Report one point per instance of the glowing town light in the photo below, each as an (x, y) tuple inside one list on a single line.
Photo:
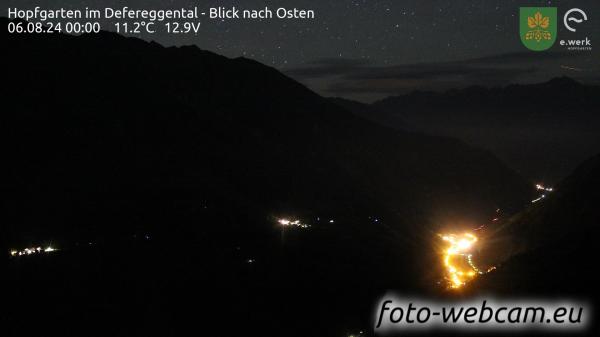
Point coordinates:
[(32, 251), (464, 244), (292, 223), (460, 246)]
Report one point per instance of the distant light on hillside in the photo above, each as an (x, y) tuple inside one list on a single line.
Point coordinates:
[(543, 188), (538, 199), (292, 223), (32, 251)]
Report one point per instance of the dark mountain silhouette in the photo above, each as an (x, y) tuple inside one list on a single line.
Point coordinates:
[(369, 112), (102, 116), (542, 130), (159, 172)]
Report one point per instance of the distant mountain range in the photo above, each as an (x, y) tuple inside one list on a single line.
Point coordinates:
[(542, 130), (553, 96)]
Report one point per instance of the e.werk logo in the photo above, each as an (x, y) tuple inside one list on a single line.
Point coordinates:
[(571, 16), (537, 27), (576, 42)]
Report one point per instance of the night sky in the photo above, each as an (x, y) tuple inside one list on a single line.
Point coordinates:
[(369, 49)]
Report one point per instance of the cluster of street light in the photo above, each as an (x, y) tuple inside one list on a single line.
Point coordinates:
[(292, 223), (544, 190), (460, 247), (477, 270), (32, 251)]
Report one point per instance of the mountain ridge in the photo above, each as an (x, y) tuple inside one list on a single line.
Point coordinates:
[(125, 116), (510, 95), (543, 131)]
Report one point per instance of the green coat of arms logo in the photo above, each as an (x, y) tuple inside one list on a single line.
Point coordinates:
[(538, 27)]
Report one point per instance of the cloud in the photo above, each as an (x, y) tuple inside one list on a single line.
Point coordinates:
[(439, 71), (352, 76), (326, 67)]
